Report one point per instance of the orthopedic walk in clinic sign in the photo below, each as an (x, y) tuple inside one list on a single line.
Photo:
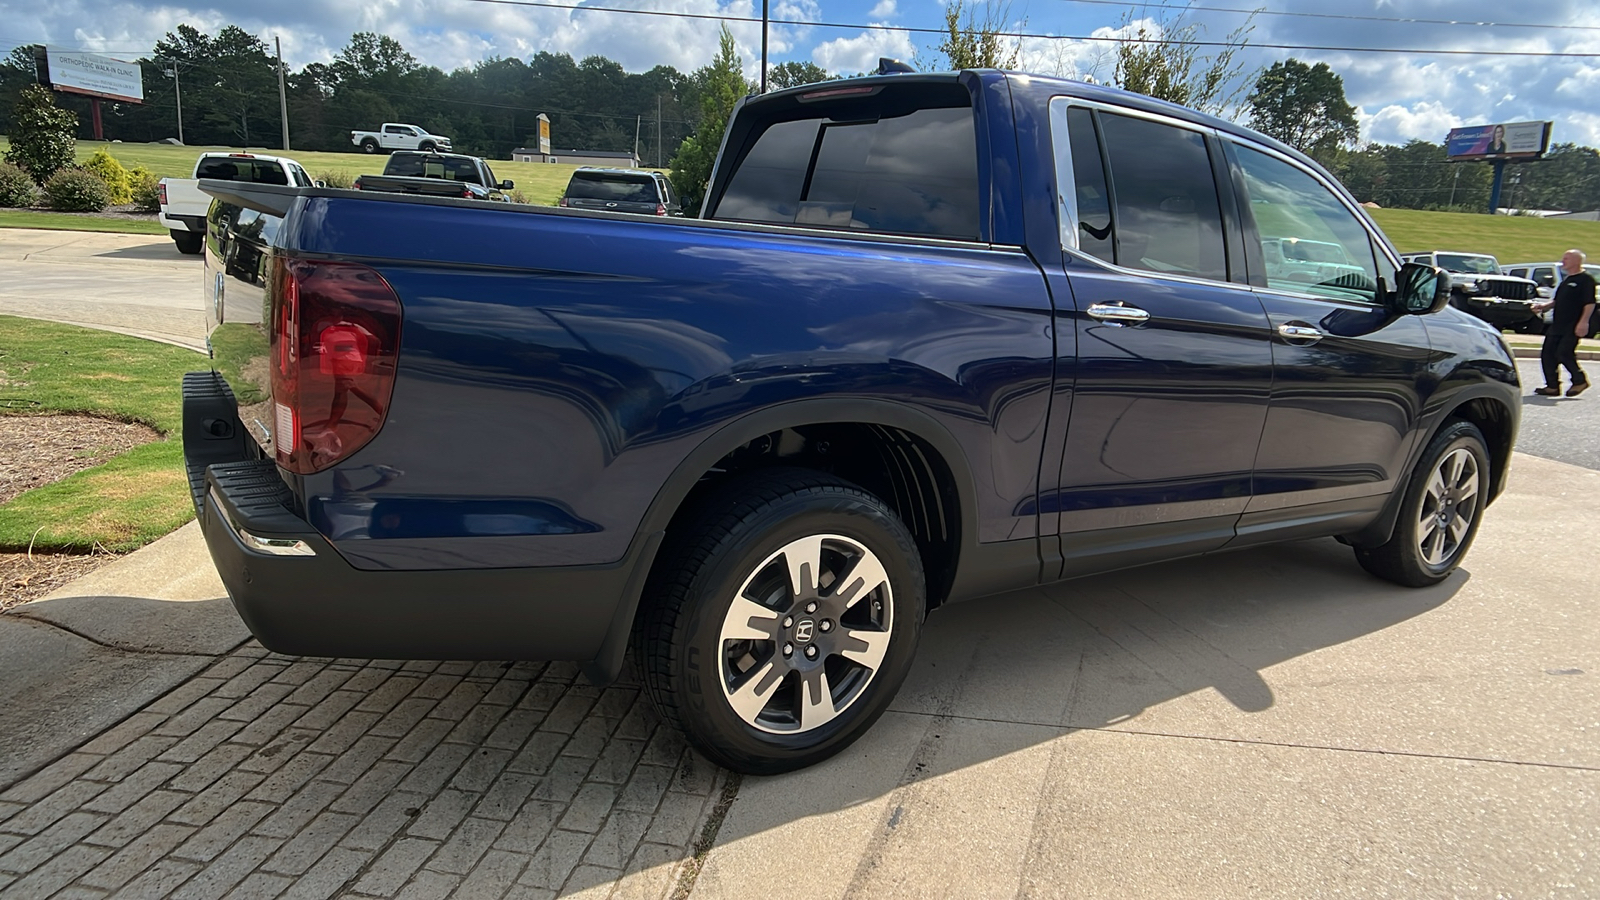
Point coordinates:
[(95, 75), (1517, 140)]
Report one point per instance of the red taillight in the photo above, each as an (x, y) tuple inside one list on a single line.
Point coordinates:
[(163, 189), (467, 193), (335, 336), (563, 201), (661, 209), (357, 185)]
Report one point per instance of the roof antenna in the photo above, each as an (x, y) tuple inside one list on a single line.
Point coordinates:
[(887, 66)]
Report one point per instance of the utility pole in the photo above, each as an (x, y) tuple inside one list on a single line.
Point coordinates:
[(638, 120), (658, 131), (764, 46), (283, 97), (177, 94)]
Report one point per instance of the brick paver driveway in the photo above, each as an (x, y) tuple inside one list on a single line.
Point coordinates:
[(270, 776)]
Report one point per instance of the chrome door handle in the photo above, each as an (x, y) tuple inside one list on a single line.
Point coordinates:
[(1118, 313), (1300, 333)]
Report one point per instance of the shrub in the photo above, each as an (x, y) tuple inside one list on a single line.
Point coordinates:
[(336, 179), (517, 196), (74, 190), (146, 189), (42, 136), (113, 174), (16, 188)]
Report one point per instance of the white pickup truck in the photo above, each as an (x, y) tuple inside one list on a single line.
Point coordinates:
[(400, 136), (184, 207)]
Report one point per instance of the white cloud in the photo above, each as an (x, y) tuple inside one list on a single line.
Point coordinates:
[(1428, 121), (860, 53), (886, 9)]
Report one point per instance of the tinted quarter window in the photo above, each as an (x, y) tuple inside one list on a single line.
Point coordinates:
[(1085, 200), (915, 173), (1167, 216), (1312, 243)]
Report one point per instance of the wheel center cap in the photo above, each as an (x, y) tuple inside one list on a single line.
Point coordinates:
[(803, 630)]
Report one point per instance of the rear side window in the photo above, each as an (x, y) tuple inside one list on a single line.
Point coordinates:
[(1167, 216), (612, 187), (908, 172)]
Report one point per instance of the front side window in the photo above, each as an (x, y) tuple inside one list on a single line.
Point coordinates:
[(913, 173), (1166, 214), (1311, 242)]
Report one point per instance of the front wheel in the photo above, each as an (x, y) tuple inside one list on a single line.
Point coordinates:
[(1439, 513), (426, 147), (781, 619)]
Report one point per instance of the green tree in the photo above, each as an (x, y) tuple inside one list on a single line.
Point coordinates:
[(721, 85), (1161, 59), (1303, 106), (42, 136), (971, 39), (793, 74)]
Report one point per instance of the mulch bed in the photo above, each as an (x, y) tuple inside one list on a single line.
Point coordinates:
[(35, 451)]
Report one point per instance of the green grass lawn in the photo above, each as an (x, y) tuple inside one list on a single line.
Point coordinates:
[(30, 218), (541, 183), (1510, 239), (130, 500)]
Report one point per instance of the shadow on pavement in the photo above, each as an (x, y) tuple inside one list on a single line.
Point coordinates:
[(165, 251)]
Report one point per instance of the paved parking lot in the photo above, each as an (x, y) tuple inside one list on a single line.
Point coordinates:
[(268, 776)]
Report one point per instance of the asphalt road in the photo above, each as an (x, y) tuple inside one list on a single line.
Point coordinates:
[(1559, 428)]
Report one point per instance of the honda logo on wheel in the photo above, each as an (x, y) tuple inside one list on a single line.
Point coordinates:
[(802, 630)]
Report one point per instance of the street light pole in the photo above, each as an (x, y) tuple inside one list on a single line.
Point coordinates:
[(177, 94), (283, 97), (764, 46)]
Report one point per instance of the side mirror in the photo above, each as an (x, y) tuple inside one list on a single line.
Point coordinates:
[(1422, 289), (319, 184), (507, 185)]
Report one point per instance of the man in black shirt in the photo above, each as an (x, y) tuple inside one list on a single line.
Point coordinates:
[(1573, 304)]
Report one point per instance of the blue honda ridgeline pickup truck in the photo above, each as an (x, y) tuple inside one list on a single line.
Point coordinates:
[(934, 337)]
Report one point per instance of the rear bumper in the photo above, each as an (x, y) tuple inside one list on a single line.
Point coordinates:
[(181, 222), (299, 596)]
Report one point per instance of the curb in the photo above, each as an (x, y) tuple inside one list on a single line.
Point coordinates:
[(1533, 353)]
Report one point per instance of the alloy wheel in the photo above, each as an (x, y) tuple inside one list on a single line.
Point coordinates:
[(1449, 507)]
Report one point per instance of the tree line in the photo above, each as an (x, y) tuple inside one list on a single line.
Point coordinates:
[(229, 91)]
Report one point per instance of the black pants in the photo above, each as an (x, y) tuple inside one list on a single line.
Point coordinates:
[(1561, 349)]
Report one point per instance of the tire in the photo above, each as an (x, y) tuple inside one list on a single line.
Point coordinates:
[(369, 146), (426, 147), (721, 608), (1439, 513), (189, 242)]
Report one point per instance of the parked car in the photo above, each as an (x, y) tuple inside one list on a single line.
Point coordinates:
[(437, 175), (1477, 286), (621, 190), (399, 136), (1545, 276), (183, 206), (923, 346)]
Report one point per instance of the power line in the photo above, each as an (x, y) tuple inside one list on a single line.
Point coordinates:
[(1312, 15), (908, 29)]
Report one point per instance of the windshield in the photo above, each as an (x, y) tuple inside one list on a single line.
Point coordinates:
[(232, 168), (616, 188), (1468, 264), (451, 168)]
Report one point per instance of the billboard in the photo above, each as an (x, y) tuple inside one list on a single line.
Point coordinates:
[(94, 75), (544, 134), (1516, 140)]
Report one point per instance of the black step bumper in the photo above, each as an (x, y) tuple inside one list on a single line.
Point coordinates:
[(298, 595)]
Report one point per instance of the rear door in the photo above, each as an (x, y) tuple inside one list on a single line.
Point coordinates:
[(1173, 363)]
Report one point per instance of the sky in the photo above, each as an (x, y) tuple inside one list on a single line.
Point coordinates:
[(1405, 93)]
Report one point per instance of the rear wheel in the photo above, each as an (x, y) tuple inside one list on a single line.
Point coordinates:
[(188, 242), (369, 146), (781, 619), (1439, 513)]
